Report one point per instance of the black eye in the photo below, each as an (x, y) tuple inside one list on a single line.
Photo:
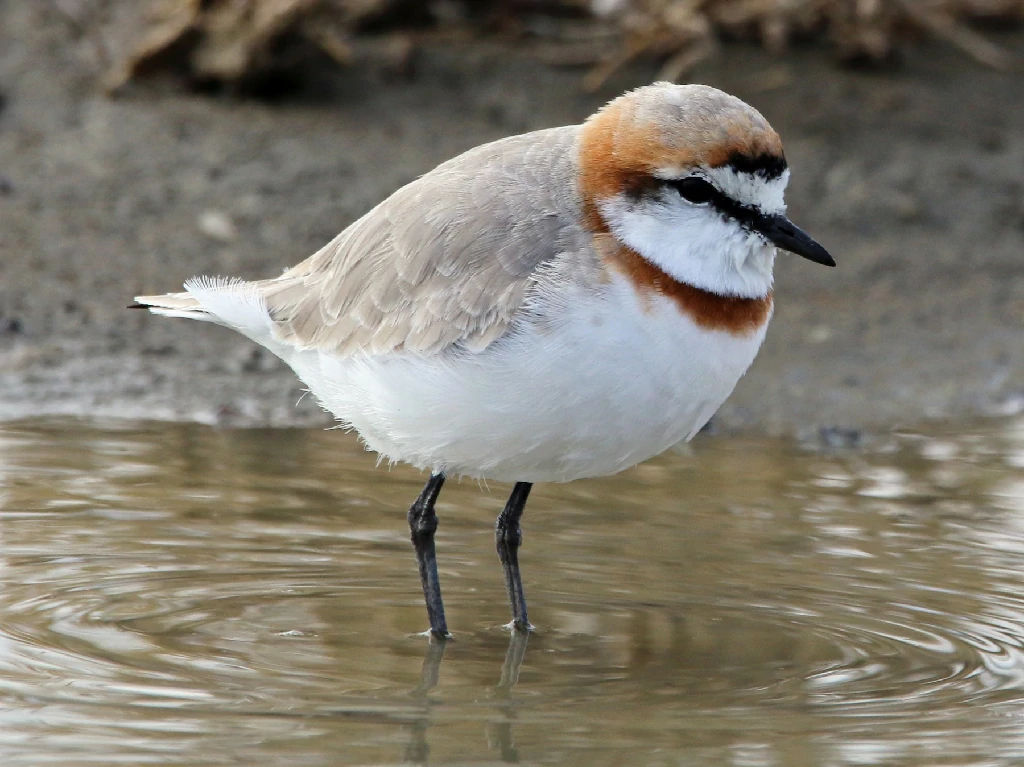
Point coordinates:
[(695, 190)]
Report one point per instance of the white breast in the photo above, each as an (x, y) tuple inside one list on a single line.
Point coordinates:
[(610, 382)]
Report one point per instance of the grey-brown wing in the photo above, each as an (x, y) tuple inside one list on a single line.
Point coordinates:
[(447, 259)]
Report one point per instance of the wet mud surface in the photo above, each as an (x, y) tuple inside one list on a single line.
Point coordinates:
[(911, 177)]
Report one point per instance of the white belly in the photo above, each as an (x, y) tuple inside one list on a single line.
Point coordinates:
[(609, 384)]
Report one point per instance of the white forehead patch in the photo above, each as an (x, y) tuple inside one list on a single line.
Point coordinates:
[(752, 190)]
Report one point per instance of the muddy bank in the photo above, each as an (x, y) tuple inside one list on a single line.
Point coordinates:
[(912, 178)]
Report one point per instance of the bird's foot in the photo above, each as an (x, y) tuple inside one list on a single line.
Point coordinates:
[(519, 627)]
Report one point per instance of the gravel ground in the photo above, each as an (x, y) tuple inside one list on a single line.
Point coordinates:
[(913, 178)]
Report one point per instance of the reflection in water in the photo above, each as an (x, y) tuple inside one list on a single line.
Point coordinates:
[(499, 732), (183, 595)]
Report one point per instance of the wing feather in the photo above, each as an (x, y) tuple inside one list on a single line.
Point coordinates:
[(446, 260)]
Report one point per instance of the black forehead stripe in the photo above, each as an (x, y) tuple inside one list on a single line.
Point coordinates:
[(768, 166)]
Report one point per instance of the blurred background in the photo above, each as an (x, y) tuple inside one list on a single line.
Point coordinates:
[(142, 143)]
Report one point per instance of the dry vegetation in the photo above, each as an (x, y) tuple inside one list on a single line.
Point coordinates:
[(229, 40)]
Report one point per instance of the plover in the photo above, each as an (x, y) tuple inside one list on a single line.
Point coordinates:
[(557, 305)]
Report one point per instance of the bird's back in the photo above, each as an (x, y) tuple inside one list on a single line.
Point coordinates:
[(446, 260)]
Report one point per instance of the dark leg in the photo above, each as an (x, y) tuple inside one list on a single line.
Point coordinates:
[(508, 536), (422, 525)]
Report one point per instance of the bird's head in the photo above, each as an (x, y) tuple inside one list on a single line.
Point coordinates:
[(693, 180)]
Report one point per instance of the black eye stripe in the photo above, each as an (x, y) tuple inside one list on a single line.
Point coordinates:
[(697, 190)]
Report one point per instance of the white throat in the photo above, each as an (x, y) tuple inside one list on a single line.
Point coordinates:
[(694, 245)]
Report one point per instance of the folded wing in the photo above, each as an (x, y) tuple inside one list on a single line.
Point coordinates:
[(446, 260)]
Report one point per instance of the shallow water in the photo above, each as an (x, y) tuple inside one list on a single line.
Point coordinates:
[(185, 595)]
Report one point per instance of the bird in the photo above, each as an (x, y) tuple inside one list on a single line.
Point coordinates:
[(547, 307)]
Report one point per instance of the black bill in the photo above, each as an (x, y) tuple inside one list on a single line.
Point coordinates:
[(788, 236)]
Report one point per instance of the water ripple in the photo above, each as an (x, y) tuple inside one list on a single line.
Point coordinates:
[(180, 590)]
